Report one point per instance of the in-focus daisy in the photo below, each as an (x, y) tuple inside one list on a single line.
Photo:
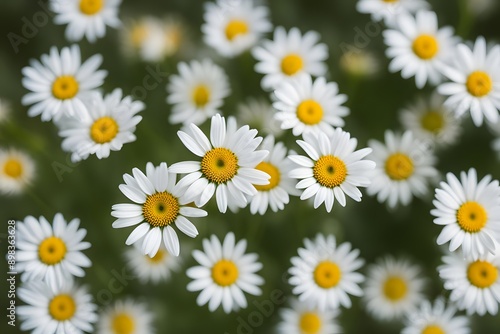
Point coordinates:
[(405, 167), (125, 317), (110, 123), (332, 169), (306, 106), (393, 287), (259, 114), (197, 92), (52, 253), (159, 204), (232, 27), (324, 273), (4, 110), (224, 273), (302, 318), (390, 10), (64, 308), (419, 48), (290, 55), (359, 62), (475, 86), (59, 83), (470, 213), (17, 170), (87, 18), (474, 284), (227, 166)]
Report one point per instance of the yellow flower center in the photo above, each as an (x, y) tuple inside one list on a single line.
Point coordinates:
[(123, 324), (13, 168), (310, 323), (138, 34), (395, 288), (425, 46), (91, 7), (62, 307), (225, 273), (219, 165), (291, 64), (479, 84), (329, 171), (310, 112), (160, 209), (201, 95), (433, 329), (273, 171), (482, 274), (160, 255), (65, 87), (389, 1), (432, 121), (104, 130), (399, 166), (327, 274), (235, 28), (52, 250), (471, 217)]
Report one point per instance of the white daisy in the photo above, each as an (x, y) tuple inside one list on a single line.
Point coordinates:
[(405, 167), (393, 287), (4, 110), (390, 10), (332, 169), (232, 28), (227, 166), (306, 106), (474, 284), (197, 93), (65, 308), (17, 170), (87, 18), (324, 274), (359, 62), (125, 317), (259, 114), (302, 318), (289, 55), (110, 123), (495, 130), (224, 273), (419, 48), (475, 86), (52, 253), (59, 83), (470, 213)]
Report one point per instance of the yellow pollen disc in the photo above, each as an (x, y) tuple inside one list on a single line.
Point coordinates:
[(91, 7), (160, 255), (433, 329), (52, 250), (327, 274), (425, 46), (160, 209), (13, 168), (62, 307), (432, 121), (479, 84), (395, 288), (390, 1), (291, 64), (225, 273), (273, 171), (310, 323), (123, 324), (201, 95), (472, 217), (235, 28), (329, 171), (219, 165), (482, 274), (399, 166), (310, 112), (104, 130), (65, 87)]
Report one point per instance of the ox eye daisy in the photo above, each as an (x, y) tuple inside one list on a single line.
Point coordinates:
[(259, 114), (302, 318), (17, 171), (390, 10), (125, 317), (154, 269)]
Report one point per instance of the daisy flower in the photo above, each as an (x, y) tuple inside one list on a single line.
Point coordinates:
[(393, 287), (474, 284), (290, 55), (110, 123), (359, 62), (159, 203), (475, 86), (470, 213), (59, 82), (302, 318), (324, 274), (495, 130), (419, 48), (390, 10), (64, 308), (17, 170), (87, 18), (332, 169), (259, 114), (306, 106), (197, 93), (4, 110), (227, 166), (125, 317), (405, 167), (52, 253), (232, 28), (224, 273)]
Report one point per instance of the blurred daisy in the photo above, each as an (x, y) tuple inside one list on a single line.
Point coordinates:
[(495, 144), (419, 48), (306, 106), (110, 123), (197, 92), (359, 62), (393, 287), (302, 318), (64, 308), (125, 317), (332, 169), (259, 114), (59, 83), (470, 213), (481, 7), (324, 274), (405, 167), (154, 269), (232, 27), (17, 170), (227, 166), (51, 253), (159, 204), (87, 18), (390, 10), (475, 86), (4, 110), (290, 55), (224, 273)]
